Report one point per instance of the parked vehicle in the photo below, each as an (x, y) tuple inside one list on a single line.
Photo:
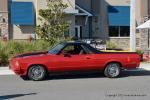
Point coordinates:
[(72, 56)]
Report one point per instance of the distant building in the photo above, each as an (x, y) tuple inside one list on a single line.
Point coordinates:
[(119, 23), (4, 19), (24, 17), (91, 21), (107, 20), (86, 17)]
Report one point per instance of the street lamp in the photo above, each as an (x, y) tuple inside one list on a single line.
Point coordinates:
[(132, 26)]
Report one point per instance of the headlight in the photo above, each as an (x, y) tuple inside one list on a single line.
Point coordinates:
[(17, 63)]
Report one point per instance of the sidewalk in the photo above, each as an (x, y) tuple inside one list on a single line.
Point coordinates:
[(145, 66), (7, 71)]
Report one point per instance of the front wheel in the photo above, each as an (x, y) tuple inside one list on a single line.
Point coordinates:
[(112, 70), (37, 73)]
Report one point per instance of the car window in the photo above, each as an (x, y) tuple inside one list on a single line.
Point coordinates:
[(56, 49), (90, 50), (73, 50)]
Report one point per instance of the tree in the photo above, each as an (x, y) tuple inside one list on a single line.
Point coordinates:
[(53, 23)]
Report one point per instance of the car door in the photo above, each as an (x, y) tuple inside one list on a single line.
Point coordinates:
[(71, 58), (95, 59)]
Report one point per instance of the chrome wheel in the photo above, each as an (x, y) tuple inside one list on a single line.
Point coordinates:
[(36, 73), (112, 70)]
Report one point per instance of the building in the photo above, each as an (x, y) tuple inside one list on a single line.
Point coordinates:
[(119, 23), (142, 15), (4, 19), (85, 17), (107, 20), (24, 17), (90, 21), (118, 14)]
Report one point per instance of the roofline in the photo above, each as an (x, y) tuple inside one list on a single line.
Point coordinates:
[(85, 11)]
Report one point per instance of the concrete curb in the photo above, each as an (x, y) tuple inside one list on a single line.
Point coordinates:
[(6, 71)]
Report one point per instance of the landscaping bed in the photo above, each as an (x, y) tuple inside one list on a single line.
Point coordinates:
[(10, 48)]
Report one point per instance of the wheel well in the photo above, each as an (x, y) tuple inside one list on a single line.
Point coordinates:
[(37, 64), (114, 62)]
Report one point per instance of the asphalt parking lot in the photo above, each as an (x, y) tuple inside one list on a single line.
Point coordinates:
[(132, 85)]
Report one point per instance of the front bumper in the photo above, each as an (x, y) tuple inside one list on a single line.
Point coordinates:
[(16, 69)]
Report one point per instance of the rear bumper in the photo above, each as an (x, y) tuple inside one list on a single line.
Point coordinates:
[(134, 65)]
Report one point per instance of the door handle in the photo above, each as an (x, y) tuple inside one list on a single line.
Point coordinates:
[(88, 58)]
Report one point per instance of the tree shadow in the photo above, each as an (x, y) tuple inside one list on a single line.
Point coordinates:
[(5, 97)]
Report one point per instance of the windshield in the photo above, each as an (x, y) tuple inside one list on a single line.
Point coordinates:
[(56, 49)]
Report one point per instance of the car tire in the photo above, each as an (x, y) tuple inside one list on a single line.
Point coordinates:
[(37, 73), (112, 70)]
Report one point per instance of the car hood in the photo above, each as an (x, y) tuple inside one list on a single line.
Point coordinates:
[(30, 54)]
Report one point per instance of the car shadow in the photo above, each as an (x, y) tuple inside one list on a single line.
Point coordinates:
[(128, 73), (76, 76), (95, 74), (131, 73), (13, 96)]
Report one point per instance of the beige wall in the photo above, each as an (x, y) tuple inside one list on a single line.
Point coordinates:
[(4, 16), (22, 32), (3, 5)]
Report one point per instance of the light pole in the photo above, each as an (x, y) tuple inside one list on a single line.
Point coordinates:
[(36, 17), (132, 26)]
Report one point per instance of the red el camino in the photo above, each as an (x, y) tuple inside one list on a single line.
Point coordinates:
[(72, 56)]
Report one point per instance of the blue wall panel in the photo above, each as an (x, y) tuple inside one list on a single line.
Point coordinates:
[(22, 13), (119, 15)]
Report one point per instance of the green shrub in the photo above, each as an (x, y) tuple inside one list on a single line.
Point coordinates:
[(11, 48), (3, 54), (111, 45), (140, 52)]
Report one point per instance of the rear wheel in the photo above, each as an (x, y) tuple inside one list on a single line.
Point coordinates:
[(112, 70), (37, 73)]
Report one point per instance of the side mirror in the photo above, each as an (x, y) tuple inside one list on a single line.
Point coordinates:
[(67, 55)]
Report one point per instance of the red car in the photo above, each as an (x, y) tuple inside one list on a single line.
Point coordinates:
[(72, 56)]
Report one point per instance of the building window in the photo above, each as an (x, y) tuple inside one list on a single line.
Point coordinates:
[(4, 21), (119, 31), (66, 34)]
